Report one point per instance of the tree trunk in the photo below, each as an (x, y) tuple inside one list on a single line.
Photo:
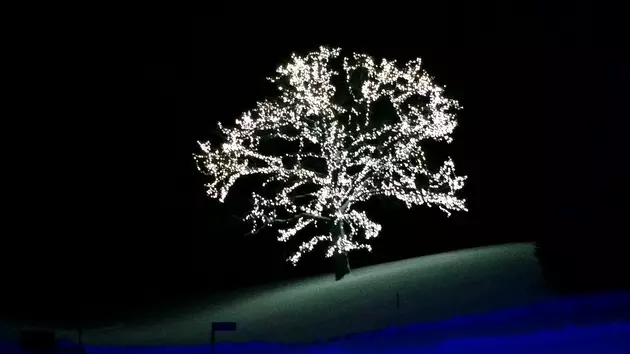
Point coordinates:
[(342, 265)]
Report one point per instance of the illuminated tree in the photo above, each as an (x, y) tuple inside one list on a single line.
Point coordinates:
[(341, 131)]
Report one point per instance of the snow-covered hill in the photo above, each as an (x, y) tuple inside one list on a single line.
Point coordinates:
[(430, 288)]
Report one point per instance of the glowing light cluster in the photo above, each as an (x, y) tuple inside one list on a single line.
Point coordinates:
[(358, 158)]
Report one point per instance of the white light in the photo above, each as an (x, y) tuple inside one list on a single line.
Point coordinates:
[(361, 161)]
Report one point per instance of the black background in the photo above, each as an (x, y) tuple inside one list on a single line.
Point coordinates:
[(107, 199)]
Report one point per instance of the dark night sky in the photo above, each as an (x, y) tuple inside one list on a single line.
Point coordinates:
[(531, 84), (542, 93)]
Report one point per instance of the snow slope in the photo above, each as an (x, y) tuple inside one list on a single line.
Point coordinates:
[(431, 288)]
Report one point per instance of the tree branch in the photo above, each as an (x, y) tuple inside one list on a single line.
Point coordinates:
[(304, 215), (295, 197)]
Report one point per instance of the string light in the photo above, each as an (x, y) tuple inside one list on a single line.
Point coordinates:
[(362, 159)]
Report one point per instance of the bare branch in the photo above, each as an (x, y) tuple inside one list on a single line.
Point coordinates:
[(304, 215)]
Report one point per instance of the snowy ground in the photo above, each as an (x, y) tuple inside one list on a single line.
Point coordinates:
[(431, 288)]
